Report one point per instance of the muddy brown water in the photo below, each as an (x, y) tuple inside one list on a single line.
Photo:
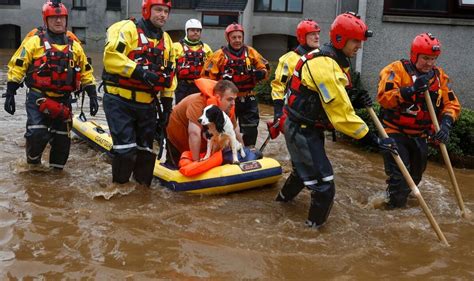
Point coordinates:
[(75, 224)]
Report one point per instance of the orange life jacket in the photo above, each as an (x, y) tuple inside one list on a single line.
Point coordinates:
[(414, 115), (190, 168), (190, 65), (239, 68), (149, 57), (56, 69)]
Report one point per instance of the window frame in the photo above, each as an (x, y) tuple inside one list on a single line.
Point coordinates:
[(83, 40), (236, 14), (83, 7), (113, 8), (192, 5), (272, 11), (455, 9), (11, 3)]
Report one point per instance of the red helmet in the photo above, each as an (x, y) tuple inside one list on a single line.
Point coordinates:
[(426, 44), (53, 8), (146, 6), (304, 27), (348, 26), (231, 28)]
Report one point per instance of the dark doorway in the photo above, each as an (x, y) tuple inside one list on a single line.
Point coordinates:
[(11, 36)]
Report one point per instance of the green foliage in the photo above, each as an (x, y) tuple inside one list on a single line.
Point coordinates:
[(264, 89)]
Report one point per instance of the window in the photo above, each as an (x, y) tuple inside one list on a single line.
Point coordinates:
[(10, 2), (79, 4), (114, 5), (80, 33), (288, 6), (219, 19), (184, 4), (430, 8)]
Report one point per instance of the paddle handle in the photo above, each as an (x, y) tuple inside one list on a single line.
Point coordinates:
[(409, 180), (444, 152)]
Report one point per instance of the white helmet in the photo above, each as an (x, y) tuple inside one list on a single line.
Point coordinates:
[(192, 23)]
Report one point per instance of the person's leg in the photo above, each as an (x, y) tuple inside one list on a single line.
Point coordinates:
[(37, 132), (120, 120)]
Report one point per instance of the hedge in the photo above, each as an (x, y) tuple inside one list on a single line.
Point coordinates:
[(461, 140)]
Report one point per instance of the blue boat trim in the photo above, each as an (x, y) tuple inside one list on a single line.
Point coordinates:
[(218, 182)]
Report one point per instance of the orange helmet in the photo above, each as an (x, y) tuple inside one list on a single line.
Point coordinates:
[(304, 27), (426, 44), (231, 28), (53, 8), (146, 6), (348, 26)]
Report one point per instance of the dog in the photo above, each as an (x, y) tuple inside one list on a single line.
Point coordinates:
[(220, 132)]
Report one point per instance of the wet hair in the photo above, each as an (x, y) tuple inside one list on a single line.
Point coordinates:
[(223, 85)]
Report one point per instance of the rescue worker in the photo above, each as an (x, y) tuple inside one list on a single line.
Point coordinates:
[(244, 66), (307, 34), (401, 94), (191, 53), (138, 66), (317, 101), (52, 65), (184, 131)]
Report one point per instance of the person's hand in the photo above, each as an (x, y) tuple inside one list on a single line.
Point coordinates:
[(93, 101), (365, 98), (422, 82), (259, 74), (149, 77), (10, 105), (443, 134), (277, 109), (388, 144)]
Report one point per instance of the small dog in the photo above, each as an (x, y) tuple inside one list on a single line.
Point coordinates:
[(220, 132)]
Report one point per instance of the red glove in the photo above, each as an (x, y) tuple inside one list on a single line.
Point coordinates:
[(273, 129)]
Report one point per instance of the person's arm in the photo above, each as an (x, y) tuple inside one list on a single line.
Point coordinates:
[(262, 67), (211, 69), (170, 59), (194, 139), (22, 59), (87, 77), (324, 76), (119, 43), (392, 85)]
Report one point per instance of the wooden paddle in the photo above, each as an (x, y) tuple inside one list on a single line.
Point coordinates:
[(409, 180), (444, 151)]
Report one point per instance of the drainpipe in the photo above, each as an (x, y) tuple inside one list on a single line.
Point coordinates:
[(127, 10), (363, 14), (338, 7)]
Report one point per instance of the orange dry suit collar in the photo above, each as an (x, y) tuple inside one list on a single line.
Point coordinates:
[(206, 87)]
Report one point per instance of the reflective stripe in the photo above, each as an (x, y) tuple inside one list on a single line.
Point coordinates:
[(308, 183), (56, 165), (124, 146), (325, 92), (328, 178), (33, 158), (60, 132), (358, 131), (144, 148), (37, 127)]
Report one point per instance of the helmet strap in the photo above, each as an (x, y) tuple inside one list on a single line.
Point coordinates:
[(191, 43)]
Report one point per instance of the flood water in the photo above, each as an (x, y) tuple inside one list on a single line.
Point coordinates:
[(75, 224)]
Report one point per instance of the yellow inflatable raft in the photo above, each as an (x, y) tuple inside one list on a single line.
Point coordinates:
[(222, 179)]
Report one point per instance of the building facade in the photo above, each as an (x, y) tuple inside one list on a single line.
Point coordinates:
[(270, 26)]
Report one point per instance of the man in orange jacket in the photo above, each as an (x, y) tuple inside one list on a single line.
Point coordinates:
[(184, 131), (405, 115), (244, 66)]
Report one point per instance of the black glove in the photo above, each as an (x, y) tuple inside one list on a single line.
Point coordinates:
[(420, 85), (148, 77), (277, 109), (443, 134), (382, 144), (259, 74), (93, 102), (167, 104), (360, 98), (10, 105)]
